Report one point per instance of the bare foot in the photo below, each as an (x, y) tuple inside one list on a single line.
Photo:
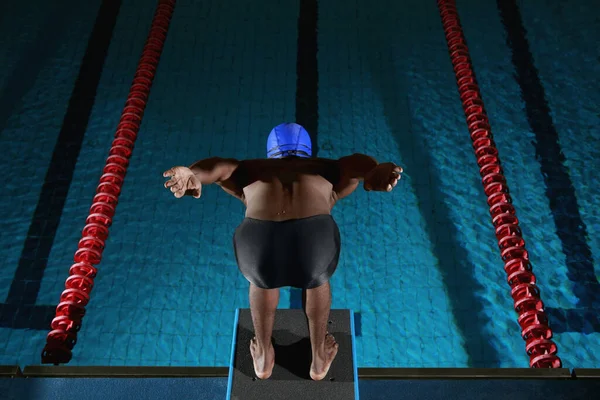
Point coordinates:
[(264, 359), (322, 362)]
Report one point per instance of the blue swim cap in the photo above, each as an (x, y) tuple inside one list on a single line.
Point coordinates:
[(288, 139)]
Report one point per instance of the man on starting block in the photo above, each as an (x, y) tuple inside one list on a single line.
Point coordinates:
[(288, 237)]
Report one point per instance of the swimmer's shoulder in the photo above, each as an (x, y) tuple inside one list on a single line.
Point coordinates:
[(261, 165), (252, 165), (250, 170)]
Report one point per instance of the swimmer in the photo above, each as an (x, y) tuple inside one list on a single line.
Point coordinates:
[(288, 237)]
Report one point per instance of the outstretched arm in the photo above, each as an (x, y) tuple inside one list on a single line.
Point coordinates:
[(353, 169), (221, 172), (359, 167), (214, 169), (189, 180)]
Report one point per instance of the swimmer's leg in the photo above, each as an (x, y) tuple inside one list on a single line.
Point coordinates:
[(263, 304), (324, 346)]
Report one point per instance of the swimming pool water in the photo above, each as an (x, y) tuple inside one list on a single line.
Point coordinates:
[(420, 266)]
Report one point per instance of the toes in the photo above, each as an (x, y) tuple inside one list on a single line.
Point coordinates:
[(330, 341)]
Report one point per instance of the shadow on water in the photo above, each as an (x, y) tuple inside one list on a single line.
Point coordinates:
[(469, 315), (560, 191), (32, 60), (307, 72), (20, 310)]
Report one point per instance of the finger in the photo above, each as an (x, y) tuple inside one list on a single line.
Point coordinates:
[(177, 184), (389, 188), (177, 188), (179, 193), (196, 193), (168, 173), (171, 182), (398, 170)]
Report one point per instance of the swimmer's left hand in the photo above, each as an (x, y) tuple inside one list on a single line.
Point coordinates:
[(383, 178)]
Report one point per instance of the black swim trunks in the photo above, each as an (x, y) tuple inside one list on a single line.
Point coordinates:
[(302, 253)]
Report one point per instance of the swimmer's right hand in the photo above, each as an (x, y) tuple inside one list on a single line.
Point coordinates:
[(182, 182)]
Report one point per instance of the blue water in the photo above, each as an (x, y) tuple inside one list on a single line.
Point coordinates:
[(420, 266)]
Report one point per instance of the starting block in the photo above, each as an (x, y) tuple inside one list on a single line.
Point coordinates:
[(290, 379)]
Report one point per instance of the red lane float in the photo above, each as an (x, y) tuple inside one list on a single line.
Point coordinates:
[(78, 286), (532, 319)]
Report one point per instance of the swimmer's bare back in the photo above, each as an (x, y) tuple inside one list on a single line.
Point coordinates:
[(285, 188)]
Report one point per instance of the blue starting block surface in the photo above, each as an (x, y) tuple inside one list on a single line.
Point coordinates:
[(291, 379)]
